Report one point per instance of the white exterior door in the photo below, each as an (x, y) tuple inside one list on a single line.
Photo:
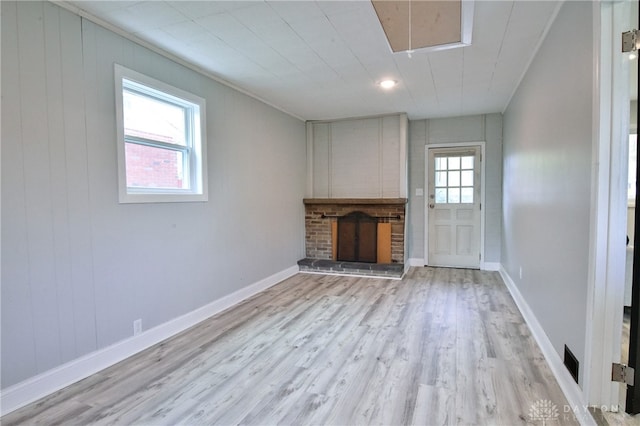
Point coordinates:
[(453, 207)]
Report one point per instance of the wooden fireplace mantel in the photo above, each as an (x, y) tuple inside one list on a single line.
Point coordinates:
[(355, 201)]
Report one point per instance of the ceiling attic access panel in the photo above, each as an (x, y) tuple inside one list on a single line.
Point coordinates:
[(425, 25)]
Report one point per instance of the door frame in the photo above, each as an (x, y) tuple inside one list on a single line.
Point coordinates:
[(427, 172), (605, 295)]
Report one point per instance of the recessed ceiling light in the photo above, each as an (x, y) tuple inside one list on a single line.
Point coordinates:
[(388, 84)]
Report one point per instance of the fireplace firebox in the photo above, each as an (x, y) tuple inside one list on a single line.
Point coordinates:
[(357, 238)]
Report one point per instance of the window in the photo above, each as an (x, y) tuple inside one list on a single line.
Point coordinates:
[(633, 155), (161, 141), (454, 179)]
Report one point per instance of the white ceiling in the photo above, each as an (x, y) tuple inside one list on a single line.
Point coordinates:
[(322, 59)]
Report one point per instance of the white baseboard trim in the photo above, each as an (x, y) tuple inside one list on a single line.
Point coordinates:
[(490, 266), (571, 390), (415, 261), (485, 266), (36, 387)]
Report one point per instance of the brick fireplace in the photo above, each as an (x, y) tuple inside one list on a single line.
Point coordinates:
[(321, 225)]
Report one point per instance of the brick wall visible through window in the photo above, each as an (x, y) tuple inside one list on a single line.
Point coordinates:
[(158, 169)]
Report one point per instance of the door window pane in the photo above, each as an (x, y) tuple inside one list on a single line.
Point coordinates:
[(454, 195), (467, 163), (454, 163), (441, 163), (466, 195), (454, 179), (441, 179), (467, 178)]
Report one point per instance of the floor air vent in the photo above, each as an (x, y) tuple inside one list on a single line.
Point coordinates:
[(571, 363)]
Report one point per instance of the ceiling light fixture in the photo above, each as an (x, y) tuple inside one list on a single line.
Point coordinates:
[(388, 84), (633, 55)]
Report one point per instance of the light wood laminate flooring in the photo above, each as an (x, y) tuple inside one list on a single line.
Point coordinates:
[(441, 346)]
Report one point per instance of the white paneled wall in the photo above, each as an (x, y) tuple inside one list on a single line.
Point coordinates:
[(48, 296), (358, 158), (78, 267), (476, 128)]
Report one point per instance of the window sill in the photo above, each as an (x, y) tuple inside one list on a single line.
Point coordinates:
[(162, 198)]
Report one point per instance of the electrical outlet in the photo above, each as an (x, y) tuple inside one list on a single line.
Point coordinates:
[(137, 326)]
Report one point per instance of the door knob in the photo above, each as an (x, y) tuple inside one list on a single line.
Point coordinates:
[(431, 205)]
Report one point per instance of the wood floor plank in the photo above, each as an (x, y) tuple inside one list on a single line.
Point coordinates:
[(442, 346)]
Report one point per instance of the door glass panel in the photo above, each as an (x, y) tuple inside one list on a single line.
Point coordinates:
[(454, 163), (441, 163), (454, 179), (466, 195), (441, 195), (467, 178), (467, 163), (454, 195), (441, 179)]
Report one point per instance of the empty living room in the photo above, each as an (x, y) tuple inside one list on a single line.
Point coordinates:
[(316, 212)]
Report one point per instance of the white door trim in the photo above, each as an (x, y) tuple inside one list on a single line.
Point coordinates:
[(427, 171), (605, 294)]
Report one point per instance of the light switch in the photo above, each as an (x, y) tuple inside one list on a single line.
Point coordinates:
[(419, 192)]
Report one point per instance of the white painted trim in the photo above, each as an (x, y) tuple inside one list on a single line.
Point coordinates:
[(595, 332), (468, 8), (358, 117), (608, 216), (427, 147), (123, 33), (415, 261), (404, 158), (57, 378), (484, 266), (571, 390), (490, 266), (310, 180)]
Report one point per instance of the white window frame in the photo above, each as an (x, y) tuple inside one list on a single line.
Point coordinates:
[(195, 151)]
